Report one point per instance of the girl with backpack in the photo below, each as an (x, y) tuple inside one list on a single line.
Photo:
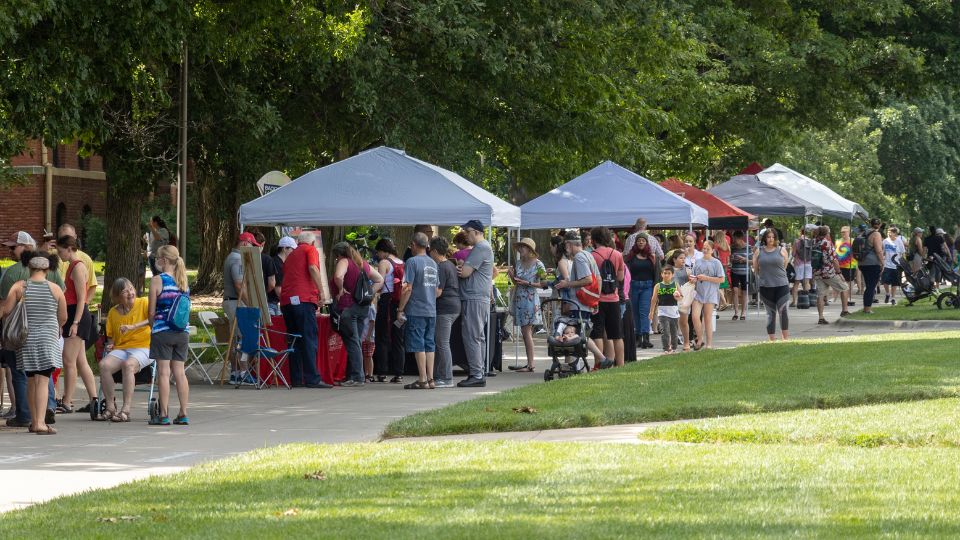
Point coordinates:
[(169, 293), (388, 355)]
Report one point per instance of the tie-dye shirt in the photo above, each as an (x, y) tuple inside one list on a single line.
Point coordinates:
[(845, 254)]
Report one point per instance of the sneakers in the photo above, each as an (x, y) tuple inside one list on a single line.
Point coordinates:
[(241, 378), (443, 384), (16, 422), (397, 380), (472, 382), (893, 301), (349, 383), (886, 299)]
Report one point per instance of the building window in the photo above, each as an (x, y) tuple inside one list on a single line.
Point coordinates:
[(61, 215), (83, 223), (83, 163), (58, 156)]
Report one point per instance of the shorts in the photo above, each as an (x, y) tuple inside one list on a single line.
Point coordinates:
[(142, 356), (420, 334), (169, 346), (606, 321), (804, 271), (368, 348), (834, 282), (86, 322), (43, 372), (726, 281), (738, 281), (890, 276), (849, 274)]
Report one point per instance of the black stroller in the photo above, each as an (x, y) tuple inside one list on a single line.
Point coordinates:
[(947, 299), (920, 284), (567, 349)]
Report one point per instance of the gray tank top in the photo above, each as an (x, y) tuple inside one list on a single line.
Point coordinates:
[(870, 255), (772, 273)]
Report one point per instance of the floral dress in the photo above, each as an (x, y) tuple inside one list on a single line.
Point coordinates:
[(526, 301)]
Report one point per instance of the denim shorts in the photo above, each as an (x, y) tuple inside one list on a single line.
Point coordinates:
[(419, 334)]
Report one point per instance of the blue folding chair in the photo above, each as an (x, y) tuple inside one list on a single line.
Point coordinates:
[(254, 343)]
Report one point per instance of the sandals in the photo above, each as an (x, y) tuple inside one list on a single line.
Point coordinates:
[(844, 313), (122, 416), (48, 431), (109, 415), (697, 346), (734, 317), (396, 380), (381, 378), (822, 321), (743, 317), (431, 384), (182, 420), (417, 385), (525, 369), (63, 408), (369, 378)]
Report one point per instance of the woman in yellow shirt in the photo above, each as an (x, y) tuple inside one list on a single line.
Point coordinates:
[(128, 346)]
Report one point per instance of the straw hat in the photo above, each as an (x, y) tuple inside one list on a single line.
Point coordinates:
[(530, 244)]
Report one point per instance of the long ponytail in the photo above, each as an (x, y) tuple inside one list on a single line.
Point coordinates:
[(170, 253)]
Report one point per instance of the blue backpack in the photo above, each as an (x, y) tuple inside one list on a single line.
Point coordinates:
[(178, 318)]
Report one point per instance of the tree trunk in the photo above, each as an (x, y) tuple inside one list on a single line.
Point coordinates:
[(216, 234), (123, 226)]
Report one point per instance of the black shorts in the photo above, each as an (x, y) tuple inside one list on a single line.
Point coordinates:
[(85, 326), (890, 276), (849, 274), (606, 321), (738, 281), (43, 372)]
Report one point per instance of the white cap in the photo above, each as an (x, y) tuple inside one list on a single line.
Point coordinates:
[(20, 238), (287, 242), (940, 231)]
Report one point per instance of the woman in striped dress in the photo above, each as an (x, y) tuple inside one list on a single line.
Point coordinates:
[(168, 346), (42, 353)]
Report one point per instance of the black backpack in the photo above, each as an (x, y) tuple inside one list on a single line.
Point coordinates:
[(816, 257), (363, 290), (608, 276), (859, 247)]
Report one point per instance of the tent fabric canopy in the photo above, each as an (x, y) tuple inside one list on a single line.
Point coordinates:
[(748, 193), (609, 195), (722, 215), (383, 186), (809, 189)]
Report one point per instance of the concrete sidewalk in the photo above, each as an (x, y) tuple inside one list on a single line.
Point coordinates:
[(227, 421)]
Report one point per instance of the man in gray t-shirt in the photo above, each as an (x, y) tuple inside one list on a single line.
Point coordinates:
[(476, 284), (418, 304), (584, 266)]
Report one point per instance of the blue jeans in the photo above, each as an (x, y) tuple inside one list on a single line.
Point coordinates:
[(20, 389), (640, 293), (302, 319), (351, 328)]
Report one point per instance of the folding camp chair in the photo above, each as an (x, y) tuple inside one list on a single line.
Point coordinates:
[(207, 344), (195, 357), (254, 343)]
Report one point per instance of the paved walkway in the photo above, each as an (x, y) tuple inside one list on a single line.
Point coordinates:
[(227, 421)]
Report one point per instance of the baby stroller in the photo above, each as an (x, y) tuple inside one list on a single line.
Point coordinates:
[(146, 375), (568, 350), (919, 283), (947, 299)]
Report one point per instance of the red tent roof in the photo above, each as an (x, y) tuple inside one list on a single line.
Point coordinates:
[(752, 168), (722, 214)]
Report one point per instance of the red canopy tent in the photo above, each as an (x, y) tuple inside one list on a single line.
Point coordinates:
[(721, 214), (752, 168)]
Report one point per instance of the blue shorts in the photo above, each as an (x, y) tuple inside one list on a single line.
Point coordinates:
[(419, 334)]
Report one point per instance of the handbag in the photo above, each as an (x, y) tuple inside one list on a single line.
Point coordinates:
[(15, 326), (687, 291)]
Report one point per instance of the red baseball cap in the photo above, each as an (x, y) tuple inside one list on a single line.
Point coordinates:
[(247, 237)]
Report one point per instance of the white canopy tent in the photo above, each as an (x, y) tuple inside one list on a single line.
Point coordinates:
[(384, 186), (609, 195), (808, 189)]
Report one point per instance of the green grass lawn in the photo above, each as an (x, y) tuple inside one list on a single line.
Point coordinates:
[(765, 377), (924, 310), (930, 422), (525, 490)]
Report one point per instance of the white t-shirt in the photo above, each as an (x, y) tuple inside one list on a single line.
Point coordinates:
[(891, 248)]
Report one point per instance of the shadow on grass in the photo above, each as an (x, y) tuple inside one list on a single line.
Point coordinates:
[(748, 379)]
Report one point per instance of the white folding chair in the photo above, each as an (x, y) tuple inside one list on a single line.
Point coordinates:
[(207, 344)]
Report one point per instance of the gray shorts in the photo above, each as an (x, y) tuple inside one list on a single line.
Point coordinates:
[(169, 346)]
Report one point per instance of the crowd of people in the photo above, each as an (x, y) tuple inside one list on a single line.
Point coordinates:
[(390, 306), (50, 287)]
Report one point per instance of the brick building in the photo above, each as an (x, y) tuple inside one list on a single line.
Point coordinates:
[(62, 187)]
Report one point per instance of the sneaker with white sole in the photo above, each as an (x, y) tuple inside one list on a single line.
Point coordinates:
[(443, 384)]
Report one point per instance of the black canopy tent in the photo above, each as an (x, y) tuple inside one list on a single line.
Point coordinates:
[(748, 193)]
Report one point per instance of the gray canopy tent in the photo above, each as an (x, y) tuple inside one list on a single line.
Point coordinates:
[(748, 193)]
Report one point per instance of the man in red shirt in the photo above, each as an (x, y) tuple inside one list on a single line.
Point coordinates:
[(299, 300), (607, 325)]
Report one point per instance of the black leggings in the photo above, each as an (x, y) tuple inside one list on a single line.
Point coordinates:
[(871, 276), (776, 300)]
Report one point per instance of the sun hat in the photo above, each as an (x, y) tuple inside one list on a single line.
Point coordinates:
[(917, 230), (20, 238), (287, 242), (529, 243)]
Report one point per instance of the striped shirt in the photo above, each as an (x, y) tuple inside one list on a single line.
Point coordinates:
[(168, 293)]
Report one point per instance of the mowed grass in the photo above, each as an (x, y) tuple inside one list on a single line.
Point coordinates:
[(923, 310), (525, 490), (780, 376), (915, 423)]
